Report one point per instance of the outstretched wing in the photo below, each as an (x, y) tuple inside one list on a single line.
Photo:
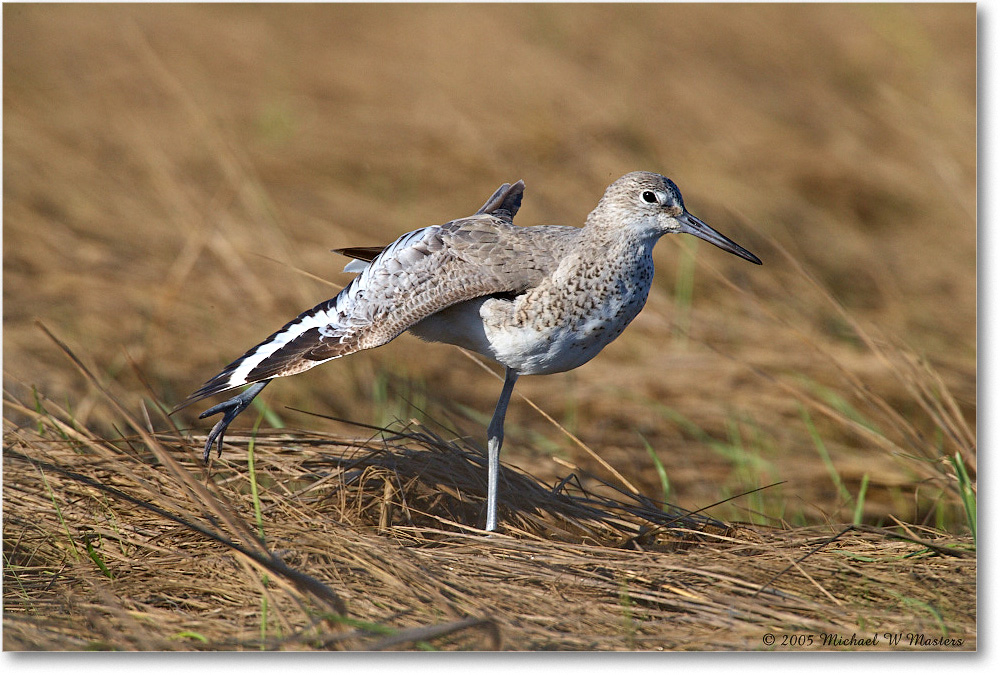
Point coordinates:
[(420, 273)]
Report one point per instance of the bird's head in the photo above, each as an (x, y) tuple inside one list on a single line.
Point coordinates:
[(652, 204)]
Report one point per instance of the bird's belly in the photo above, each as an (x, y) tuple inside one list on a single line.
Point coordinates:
[(541, 342), (460, 325), (531, 351), (541, 345)]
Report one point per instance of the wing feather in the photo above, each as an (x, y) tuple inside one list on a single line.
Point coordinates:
[(419, 274)]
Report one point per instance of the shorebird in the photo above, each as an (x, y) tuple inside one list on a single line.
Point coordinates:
[(537, 300)]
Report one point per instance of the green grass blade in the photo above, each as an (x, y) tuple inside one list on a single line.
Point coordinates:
[(859, 507), (660, 470), (189, 634), (967, 493), (254, 490), (98, 560), (825, 456), (273, 419), (62, 521)]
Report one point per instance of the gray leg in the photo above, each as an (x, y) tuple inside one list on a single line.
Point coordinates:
[(494, 443), (231, 408)]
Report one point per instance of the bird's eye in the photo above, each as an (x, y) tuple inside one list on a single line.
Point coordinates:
[(649, 196)]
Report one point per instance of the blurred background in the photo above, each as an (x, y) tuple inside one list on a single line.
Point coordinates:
[(175, 177)]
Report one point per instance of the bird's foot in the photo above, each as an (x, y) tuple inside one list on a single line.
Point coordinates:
[(230, 410)]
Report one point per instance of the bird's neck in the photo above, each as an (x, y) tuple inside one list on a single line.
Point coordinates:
[(607, 258), (606, 239)]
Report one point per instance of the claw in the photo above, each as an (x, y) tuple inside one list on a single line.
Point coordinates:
[(230, 410)]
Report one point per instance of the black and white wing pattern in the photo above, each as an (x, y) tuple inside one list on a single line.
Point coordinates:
[(419, 274)]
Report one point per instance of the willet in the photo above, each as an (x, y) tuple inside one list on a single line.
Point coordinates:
[(536, 300)]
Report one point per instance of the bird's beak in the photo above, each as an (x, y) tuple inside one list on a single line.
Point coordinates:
[(698, 228)]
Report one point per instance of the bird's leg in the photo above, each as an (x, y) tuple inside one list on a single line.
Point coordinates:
[(231, 409), (494, 442)]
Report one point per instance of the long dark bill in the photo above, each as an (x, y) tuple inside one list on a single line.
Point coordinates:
[(698, 228)]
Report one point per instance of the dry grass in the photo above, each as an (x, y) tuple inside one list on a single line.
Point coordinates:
[(174, 177), (139, 547)]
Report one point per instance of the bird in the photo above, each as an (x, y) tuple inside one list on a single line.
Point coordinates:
[(536, 300)]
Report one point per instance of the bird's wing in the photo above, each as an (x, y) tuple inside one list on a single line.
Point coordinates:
[(503, 205), (419, 274)]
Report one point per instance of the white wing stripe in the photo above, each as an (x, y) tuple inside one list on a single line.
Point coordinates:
[(320, 320), (329, 317)]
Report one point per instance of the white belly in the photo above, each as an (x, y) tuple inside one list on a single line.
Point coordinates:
[(534, 347), (552, 350), (460, 325), (544, 346)]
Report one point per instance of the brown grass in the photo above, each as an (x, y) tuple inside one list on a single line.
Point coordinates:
[(174, 177), (133, 550)]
